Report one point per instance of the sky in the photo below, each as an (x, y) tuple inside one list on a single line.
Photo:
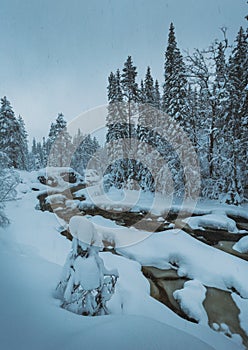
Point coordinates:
[(55, 56)]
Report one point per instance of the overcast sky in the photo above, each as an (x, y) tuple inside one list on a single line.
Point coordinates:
[(56, 55)]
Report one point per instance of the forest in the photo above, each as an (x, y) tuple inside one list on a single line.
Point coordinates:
[(199, 111)]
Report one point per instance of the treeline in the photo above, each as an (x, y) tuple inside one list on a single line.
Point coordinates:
[(206, 94), (58, 149)]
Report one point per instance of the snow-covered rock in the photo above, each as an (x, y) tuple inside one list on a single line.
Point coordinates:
[(242, 245), (191, 298), (212, 221)]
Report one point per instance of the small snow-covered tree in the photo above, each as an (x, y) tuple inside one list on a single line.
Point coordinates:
[(86, 285)]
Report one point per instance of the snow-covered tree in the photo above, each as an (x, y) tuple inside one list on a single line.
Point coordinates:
[(85, 148), (9, 179), (11, 141), (175, 84), (23, 160), (117, 131), (59, 143), (86, 285), (237, 117)]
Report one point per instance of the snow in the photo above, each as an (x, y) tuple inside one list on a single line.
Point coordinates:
[(56, 199), (82, 229), (191, 298), (243, 306), (194, 259), (242, 245), (31, 260), (87, 273), (212, 221), (56, 175)]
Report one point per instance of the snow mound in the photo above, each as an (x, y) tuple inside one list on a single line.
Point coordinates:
[(191, 298), (242, 245), (61, 177), (212, 221), (56, 199), (87, 273), (82, 229)]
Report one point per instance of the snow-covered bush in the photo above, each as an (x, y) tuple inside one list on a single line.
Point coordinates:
[(85, 285), (9, 180)]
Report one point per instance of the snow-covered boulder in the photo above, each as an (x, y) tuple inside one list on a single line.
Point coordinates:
[(242, 245), (59, 177), (212, 221), (191, 298)]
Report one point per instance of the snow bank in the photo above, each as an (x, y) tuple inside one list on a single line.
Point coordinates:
[(30, 318), (212, 221), (191, 258), (242, 304)]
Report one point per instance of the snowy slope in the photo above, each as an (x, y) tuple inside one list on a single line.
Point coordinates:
[(32, 255)]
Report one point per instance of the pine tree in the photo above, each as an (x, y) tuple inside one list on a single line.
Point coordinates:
[(131, 95), (117, 130), (85, 148), (237, 117), (59, 144), (157, 97), (175, 85), (10, 134), (146, 122), (23, 144)]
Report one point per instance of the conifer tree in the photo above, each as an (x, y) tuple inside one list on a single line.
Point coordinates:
[(10, 134), (237, 117), (117, 130), (59, 143), (23, 144), (175, 85), (157, 97)]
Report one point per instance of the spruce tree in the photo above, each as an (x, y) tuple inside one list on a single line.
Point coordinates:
[(157, 97), (237, 117), (10, 134), (117, 130), (23, 144), (175, 85), (59, 143)]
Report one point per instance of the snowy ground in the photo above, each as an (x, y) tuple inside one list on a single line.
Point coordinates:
[(32, 256)]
